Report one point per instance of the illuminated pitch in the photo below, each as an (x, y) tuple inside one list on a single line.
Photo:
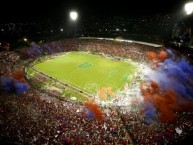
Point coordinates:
[(88, 73)]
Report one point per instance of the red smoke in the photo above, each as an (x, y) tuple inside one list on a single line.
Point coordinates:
[(156, 58), (166, 103), (18, 75), (162, 56), (151, 55), (95, 109)]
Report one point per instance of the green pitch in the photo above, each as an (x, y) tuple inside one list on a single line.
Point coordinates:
[(88, 72)]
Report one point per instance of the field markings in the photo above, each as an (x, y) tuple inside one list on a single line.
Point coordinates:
[(80, 86), (96, 61)]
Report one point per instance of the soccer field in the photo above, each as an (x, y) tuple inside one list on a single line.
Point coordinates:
[(88, 72)]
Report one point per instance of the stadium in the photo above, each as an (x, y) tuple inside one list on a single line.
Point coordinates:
[(94, 90)]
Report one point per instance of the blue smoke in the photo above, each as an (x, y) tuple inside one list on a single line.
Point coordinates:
[(8, 84), (175, 74), (13, 86), (170, 53), (21, 88), (48, 48), (30, 54), (90, 114), (37, 50), (150, 113), (186, 67), (59, 48)]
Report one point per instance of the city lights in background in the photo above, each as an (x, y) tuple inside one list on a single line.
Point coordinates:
[(188, 8), (73, 15)]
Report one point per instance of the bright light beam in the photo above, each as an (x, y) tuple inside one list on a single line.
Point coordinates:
[(189, 8), (73, 15)]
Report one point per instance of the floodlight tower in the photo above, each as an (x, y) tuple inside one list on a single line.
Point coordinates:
[(73, 15), (188, 8)]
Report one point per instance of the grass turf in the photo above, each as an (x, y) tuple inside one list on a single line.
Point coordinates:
[(89, 72)]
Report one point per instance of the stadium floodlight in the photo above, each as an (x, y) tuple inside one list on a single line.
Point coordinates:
[(25, 39), (73, 15), (188, 8)]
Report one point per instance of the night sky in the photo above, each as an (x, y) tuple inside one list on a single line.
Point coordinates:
[(58, 9)]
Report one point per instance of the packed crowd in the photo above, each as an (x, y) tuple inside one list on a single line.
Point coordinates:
[(130, 50), (7, 59), (32, 119), (37, 117), (156, 133)]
